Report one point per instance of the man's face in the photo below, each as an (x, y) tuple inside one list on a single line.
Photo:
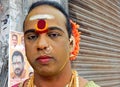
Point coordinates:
[(56, 38), (18, 65), (14, 40)]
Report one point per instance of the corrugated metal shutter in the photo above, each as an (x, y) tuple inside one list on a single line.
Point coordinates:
[(99, 57)]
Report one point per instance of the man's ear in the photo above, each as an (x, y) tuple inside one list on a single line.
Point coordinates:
[(72, 43)]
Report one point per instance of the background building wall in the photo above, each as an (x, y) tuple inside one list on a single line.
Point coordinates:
[(99, 57), (4, 38)]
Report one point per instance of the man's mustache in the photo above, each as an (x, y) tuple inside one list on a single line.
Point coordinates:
[(17, 69)]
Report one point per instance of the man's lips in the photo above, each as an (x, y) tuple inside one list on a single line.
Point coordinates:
[(44, 59)]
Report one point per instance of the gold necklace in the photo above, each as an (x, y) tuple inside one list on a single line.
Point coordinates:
[(74, 82), (30, 82)]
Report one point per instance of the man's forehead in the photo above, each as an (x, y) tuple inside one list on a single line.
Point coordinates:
[(17, 57), (44, 12), (52, 17), (14, 37), (41, 16)]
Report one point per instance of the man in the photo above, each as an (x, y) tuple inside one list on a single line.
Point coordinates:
[(14, 40), (49, 46), (21, 46), (19, 73)]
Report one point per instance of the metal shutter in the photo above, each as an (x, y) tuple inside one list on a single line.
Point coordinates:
[(99, 57)]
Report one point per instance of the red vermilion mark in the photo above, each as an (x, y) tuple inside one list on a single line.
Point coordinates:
[(41, 26)]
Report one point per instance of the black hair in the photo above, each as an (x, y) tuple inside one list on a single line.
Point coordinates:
[(17, 53), (57, 6), (14, 35)]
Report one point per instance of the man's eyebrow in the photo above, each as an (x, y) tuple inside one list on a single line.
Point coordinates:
[(55, 28), (29, 31), (49, 28)]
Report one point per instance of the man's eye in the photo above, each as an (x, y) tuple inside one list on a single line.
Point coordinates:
[(32, 37), (53, 35)]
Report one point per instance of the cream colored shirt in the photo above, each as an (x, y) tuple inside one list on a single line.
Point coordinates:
[(91, 84)]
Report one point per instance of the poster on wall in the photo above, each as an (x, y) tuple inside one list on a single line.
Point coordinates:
[(20, 68)]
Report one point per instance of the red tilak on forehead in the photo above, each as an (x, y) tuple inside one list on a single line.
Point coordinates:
[(41, 26)]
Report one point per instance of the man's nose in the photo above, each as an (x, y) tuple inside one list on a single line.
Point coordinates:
[(17, 65), (42, 43)]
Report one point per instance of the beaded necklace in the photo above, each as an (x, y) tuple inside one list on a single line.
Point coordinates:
[(74, 82)]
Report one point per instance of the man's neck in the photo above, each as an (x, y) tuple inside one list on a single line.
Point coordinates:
[(59, 80)]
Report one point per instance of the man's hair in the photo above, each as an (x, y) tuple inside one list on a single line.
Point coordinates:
[(14, 35), (57, 6), (17, 53)]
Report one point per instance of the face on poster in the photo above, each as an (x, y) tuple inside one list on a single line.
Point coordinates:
[(19, 67)]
